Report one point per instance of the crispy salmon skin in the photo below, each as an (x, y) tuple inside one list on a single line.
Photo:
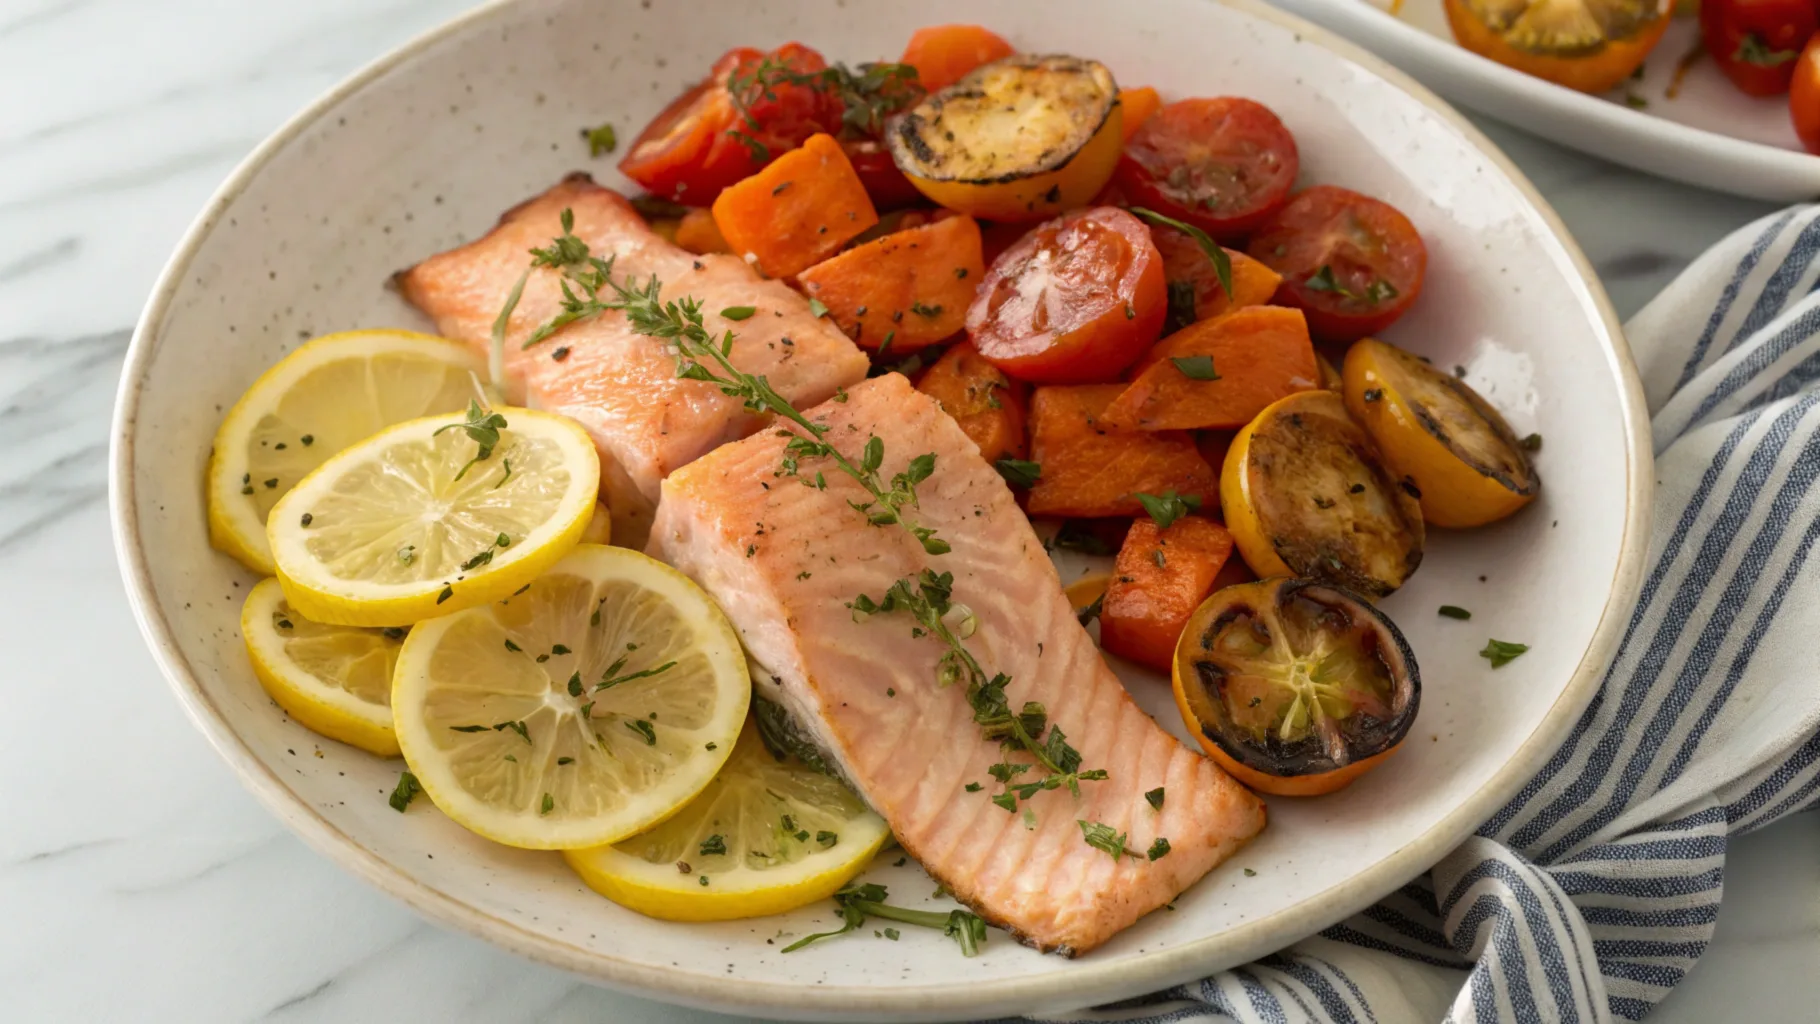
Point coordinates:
[(622, 386), (786, 554)]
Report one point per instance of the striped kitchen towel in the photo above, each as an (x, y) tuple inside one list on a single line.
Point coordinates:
[(1594, 891)]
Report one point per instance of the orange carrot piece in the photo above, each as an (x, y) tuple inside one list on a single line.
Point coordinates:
[(1160, 578), (905, 291), (1253, 282), (943, 54), (698, 233), (1257, 355), (1139, 104), (1092, 469), (798, 211), (989, 406)]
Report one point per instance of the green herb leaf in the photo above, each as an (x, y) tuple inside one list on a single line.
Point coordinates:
[(1532, 443), (738, 312), (1195, 367), (1222, 264), (601, 140), (1501, 653), (406, 791), (714, 845), (1753, 50), (519, 727), (1019, 472), (1104, 837), (1092, 611), (482, 427), (1155, 798), (1454, 611), (817, 308), (1158, 849), (1167, 507), (549, 804), (644, 729)]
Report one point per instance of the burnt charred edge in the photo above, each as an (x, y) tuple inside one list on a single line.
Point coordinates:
[(1308, 756), (1495, 423), (936, 102)]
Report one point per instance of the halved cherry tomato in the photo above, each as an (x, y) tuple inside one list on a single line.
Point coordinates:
[(1804, 96), (1077, 299), (886, 184), (1756, 42), (943, 54), (1294, 686), (703, 141), (1352, 263), (1223, 165), (1589, 45)]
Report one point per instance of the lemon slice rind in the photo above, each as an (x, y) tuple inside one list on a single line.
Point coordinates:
[(326, 709)]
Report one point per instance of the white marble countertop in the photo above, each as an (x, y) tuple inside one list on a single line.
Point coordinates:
[(137, 880)]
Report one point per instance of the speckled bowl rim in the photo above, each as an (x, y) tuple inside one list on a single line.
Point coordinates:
[(1084, 983)]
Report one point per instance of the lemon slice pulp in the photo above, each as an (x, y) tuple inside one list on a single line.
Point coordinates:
[(334, 680), (411, 523), (581, 711), (766, 836), (325, 396)]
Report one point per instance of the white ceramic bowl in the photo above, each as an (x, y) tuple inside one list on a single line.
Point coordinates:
[(427, 147)]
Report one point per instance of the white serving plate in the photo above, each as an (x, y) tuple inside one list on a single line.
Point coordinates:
[(427, 146), (1710, 134)]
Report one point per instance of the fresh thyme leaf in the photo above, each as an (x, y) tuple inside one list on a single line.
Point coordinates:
[(738, 312), (472, 728), (857, 901), (1195, 367), (1454, 611), (482, 427), (817, 308), (611, 680), (644, 729), (485, 556), (549, 804), (602, 139), (826, 839), (973, 787), (1501, 653), (565, 760), (575, 685), (1007, 801), (1155, 798), (1159, 849), (1167, 507), (1104, 837), (1019, 472), (402, 794), (502, 480), (1222, 264), (1092, 611), (714, 845), (519, 727)]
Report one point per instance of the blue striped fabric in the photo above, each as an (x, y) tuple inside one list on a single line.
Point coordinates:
[(1594, 891)]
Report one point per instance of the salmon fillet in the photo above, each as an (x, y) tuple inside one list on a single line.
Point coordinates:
[(622, 386), (784, 560)]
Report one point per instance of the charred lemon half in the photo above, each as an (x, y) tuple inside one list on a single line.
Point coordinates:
[(1589, 45), (1295, 687), (1437, 431), (1019, 139), (1305, 493)]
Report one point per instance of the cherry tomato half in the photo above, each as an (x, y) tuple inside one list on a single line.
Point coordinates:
[(1077, 299), (703, 141), (1756, 42), (1352, 263), (1223, 165), (886, 184), (1804, 96)]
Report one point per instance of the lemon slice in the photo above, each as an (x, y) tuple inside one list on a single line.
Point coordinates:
[(335, 680), (766, 836), (320, 399), (584, 710), (407, 524)]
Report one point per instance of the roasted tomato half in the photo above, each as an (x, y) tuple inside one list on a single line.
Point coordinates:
[(1589, 45), (1306, 493), (1222, 164), (1077, 299), (1804, 96), (1354, 264), (744, 114), (1435, 430), (1296, 687), (1757, 43)]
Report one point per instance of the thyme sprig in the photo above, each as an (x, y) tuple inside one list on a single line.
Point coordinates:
[(857, 901), (589, 289)]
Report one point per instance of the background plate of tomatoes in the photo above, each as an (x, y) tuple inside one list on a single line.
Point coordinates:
[(1684, 113)]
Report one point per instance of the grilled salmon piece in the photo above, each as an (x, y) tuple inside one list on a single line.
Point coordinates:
[(784, 557), (620, 385)]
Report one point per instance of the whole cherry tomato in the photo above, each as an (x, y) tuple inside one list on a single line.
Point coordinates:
[(1351, 263), (747, 112), (1804, 95), (1223, 165), (1077, 299), (1756, 42)]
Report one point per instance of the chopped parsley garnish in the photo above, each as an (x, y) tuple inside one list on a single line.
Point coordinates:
[(929, 312), (973, 787), (601, 140), (1501, 653), (1168, 507), (447, 592), (402, 794), (565, 760), (1454, 611), (1155, 798), (713, 845), (1104, 837), (559, 649), (1019, 472), (644, 729), (1195, 367), (485, 556), (549, 804), (575, 685), (856, 902), (826, 839), (611, 678), (519, 727), (1222, 264), (482, 427), (1158, 849)]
